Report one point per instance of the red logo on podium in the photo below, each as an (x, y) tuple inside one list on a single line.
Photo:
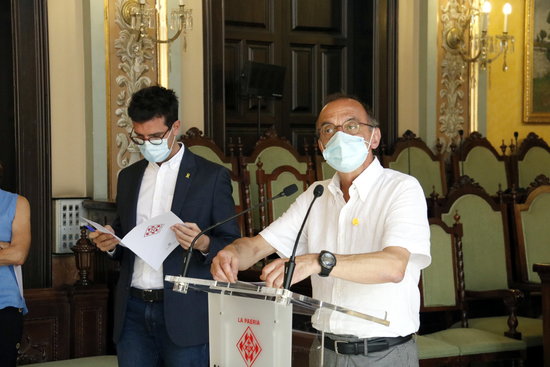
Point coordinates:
[(152, 230), (249, 347)]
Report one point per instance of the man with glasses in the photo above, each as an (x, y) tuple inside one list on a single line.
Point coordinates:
[(364, 244), (155, 326)]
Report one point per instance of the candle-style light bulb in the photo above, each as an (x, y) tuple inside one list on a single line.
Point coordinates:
[(507, 10), (181, 2), (485, 10), (142, 2)]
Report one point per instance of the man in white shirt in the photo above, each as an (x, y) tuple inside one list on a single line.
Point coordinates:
[(155, 326), (364, 244)]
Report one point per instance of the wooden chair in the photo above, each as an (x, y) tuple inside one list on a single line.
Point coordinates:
[(479, 160), (274, 152), (206, 148), (270, 184), (487, 260), (442, 286), (531, 159), (413, 157), (532, 231)]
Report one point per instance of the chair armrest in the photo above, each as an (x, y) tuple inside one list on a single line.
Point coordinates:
[(511, 299)]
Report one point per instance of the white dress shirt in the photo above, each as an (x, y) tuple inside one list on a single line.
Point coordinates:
[(386, 208), (155, 198)]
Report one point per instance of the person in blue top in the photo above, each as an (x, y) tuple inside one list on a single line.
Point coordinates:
[(15, 241)]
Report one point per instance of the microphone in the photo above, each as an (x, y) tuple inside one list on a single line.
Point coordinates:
[(287, 191), (291, 263)]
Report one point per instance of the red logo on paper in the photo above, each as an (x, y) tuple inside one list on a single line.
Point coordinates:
[(152, 230), (249, 347)]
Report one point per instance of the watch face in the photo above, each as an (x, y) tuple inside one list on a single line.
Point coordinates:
[(328, 259)]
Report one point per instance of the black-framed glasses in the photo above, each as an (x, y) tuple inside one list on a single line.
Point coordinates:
[(351, 127), (155, 140)]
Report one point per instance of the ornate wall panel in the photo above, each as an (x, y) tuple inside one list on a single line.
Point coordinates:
[(131, 66), (453, 90)]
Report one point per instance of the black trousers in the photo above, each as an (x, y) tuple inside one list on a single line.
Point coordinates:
[(11, 328)]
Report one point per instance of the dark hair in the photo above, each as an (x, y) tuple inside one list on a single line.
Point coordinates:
[(1, 172), (154, 101), (337, 96)]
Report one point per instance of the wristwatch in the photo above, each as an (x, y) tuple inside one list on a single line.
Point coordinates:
[(327, 260)]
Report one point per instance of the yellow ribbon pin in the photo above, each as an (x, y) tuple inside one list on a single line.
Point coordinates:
[(187, 175), (355, 222)]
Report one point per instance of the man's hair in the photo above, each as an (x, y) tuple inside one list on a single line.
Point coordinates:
[(337, 96), (154, 101)]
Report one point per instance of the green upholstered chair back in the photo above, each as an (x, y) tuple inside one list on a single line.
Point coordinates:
[(439, 280), (413, 157), (479, 160), (533, 230), (270, 184), (535, 162), (484, 242), (482, 165), (419, 164), (273, 152)]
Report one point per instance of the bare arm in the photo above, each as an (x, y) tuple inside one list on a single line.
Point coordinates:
[(384, 266), (240, 255), (16, 251)]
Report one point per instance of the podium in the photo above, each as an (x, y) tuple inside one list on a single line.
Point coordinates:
[(250, 325)]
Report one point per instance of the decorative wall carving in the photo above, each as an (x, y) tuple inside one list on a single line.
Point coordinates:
[(132, 66), (453, 80)]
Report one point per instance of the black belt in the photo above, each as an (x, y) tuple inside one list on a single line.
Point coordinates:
[(373, 344), (147, 295)]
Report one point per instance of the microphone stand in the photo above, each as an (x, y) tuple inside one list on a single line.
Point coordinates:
[(287, 191), (291, 263)]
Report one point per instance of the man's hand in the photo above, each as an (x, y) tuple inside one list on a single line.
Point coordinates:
[(104, 241), (185, 232), (274, 273), (225, 265), (4, 245)]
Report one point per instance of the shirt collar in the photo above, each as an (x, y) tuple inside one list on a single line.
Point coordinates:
[(363, 182)]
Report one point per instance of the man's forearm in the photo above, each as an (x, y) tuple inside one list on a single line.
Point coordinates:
[(251, 250)]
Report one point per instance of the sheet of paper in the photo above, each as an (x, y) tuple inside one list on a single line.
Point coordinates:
[(153, 240), (98, 227)]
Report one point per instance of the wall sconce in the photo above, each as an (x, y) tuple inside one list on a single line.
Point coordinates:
[(141, 18), (461, 36)]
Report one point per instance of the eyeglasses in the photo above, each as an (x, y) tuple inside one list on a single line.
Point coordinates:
[(155, 140), (350, 127)]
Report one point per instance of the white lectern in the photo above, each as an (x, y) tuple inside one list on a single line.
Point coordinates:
[(251, 325)]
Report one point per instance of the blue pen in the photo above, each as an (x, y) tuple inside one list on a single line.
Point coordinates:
[(90, 228)]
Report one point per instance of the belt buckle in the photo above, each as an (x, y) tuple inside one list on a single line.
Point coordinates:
[(148, 295), (336, 345)]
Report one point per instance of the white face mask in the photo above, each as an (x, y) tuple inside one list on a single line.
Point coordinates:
[(156, 153), (345, 153)]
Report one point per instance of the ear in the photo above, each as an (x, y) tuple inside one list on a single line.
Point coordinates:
[(176, 125), (376, 137), (321, 147)]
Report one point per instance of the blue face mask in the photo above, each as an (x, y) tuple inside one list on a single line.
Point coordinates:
[(345, 153), (156, 153)]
